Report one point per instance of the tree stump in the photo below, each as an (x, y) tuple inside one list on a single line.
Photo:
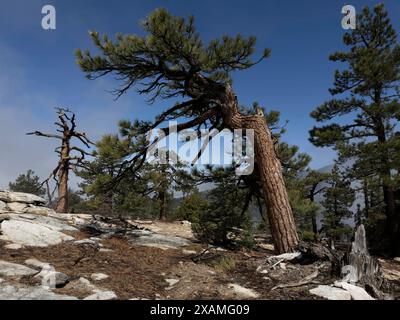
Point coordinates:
[(360, 267)]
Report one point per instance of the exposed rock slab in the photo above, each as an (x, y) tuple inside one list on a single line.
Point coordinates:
[(172, 282), (49, 222), (331, 293), (189, 252), (7, 196), (8, 269), (98, 276), (82, 284), (16, 206), (3, 206), (243, 292), (177, 229), (10, 292), (39, 210), (149, 239), (357, 293), (102, 295), (13, 246), (31, 234), (34, 263)]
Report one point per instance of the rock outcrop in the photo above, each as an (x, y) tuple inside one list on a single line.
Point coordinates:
[(331, 293), (18, 202), (20, 292), (31, 233), (25, 222), (12, 197), (8, 269), (93, 247)]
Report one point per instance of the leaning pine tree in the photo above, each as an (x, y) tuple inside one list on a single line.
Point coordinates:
[(171, 62)]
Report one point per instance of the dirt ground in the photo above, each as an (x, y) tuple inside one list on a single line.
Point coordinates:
[(143, 272), (139, 272)]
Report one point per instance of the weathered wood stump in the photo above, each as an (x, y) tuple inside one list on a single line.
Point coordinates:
[(360, 267)]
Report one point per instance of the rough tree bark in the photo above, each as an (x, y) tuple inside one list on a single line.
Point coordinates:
[(280, 215), (62, 203)]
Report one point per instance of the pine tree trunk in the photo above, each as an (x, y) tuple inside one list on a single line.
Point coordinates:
[(107, 204), (314, 216), (392, 217), (162, 194), (397, 236), (366, 200), (161, 199), (315, 228), (392, 220), (280, 216), (62, 203)]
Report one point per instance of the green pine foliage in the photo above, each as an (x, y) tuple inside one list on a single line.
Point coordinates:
[(224, 221), (339, 197), (146, 193), (171, 48), (191, 207)]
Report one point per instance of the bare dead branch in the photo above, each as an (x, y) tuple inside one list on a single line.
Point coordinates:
[(47, 135), (67, 127)]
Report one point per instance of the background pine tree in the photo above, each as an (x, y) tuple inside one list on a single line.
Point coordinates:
[(339, 197), (366, 133), (146, 193), (29, 183)]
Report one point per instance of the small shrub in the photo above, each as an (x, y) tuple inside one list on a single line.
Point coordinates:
[(191, 208), (223, 221), (307, 236), (224, 264)]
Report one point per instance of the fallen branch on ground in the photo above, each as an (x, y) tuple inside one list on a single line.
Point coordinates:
[(307, 280)]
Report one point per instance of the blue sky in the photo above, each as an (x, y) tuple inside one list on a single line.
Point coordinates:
[(38, 70)]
